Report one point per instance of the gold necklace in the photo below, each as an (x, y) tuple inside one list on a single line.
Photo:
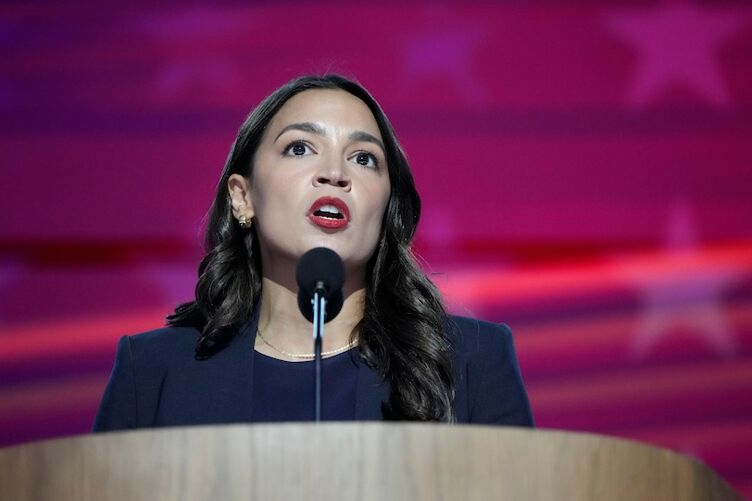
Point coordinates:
[(305, 355)]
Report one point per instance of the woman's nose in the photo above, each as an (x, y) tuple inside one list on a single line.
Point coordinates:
[(334, 175)]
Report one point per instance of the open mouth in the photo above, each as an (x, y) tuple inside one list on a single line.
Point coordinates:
[(329, 211)]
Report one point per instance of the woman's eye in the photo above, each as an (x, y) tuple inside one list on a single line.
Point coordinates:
[(297, 149), (366, 159)]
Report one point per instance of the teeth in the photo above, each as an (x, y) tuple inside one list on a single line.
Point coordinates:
[(329, 208)]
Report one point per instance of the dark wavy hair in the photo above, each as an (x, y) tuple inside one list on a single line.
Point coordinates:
[(402, 334)]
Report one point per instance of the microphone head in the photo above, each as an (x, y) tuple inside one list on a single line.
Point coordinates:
[(320, 270)]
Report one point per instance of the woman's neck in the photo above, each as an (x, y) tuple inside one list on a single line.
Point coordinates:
[(284, 327)]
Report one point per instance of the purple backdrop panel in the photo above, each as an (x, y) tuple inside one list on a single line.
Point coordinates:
[(584, 166)]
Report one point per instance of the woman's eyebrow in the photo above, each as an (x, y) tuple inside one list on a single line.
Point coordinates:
[(360, 135), (303, 126), (313, 128)]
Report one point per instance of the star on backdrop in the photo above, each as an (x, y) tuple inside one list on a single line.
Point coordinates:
[(9, 31), (175, 283), (439, 230), (678, 44), (199, 70), (684, 292), (181, 78), (6, 94), (9, 272), (446, 52), (191, 23)]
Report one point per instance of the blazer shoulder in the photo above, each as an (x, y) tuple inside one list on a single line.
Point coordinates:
[(142, 362), (164, 341), (475, 336), (166, 334), (496, 391)]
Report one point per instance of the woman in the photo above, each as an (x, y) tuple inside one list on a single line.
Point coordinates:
[(315, 164)]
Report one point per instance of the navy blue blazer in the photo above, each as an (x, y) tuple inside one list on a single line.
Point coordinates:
[(156, 380)]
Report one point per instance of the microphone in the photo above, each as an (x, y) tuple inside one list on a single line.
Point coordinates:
[(320, 270), (320, 276)]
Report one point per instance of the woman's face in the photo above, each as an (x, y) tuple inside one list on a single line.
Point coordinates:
[(319, 179)]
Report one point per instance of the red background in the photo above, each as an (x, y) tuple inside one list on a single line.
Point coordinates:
[(585, 168)]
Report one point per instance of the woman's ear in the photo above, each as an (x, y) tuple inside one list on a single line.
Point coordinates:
[(239, 190)]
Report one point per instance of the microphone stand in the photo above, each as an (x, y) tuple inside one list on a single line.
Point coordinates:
[(319, 315)]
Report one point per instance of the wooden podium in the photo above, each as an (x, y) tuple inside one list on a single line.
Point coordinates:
[(351, 461)]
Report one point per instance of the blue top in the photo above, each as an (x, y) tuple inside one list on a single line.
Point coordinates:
[(284, 391), (157, 381)]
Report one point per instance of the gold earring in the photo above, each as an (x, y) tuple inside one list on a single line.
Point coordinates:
[(244, 222)]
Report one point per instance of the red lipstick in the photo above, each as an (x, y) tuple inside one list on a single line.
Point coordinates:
[(329, 213)]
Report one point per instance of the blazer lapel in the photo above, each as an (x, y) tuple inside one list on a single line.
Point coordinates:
[(460, 390), (370, 392), (246, 341)]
